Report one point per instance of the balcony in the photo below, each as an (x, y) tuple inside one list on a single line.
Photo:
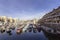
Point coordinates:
[(52, 16), (56, 19)]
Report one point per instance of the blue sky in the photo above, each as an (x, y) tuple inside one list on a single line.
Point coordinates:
[(27, 9)]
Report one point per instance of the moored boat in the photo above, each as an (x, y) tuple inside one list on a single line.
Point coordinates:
[(19, 30), (29, 29), (2, 29), (8, 30)]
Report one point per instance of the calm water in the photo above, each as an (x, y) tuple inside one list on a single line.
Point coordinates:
[(23, 36)]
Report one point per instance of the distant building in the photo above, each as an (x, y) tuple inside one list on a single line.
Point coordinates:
[(4, 19)]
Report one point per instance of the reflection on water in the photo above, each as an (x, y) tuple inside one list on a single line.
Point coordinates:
[(52, 37), (9, 34), (13, 35), (22, 36)]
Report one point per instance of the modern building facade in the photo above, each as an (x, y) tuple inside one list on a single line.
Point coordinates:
[(52, 19)]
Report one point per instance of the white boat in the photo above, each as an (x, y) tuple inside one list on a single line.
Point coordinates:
[(25, 28), (2, 29), (8, 30)]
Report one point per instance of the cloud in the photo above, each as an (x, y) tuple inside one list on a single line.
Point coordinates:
[(27, 9)]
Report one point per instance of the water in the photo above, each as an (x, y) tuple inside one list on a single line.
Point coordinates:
[(23, 36), (33, 35)]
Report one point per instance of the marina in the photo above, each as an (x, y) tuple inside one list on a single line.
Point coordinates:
[(31, 30), (29, 19), (19, 34)]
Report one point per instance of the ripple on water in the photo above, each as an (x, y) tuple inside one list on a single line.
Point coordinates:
[(23, 36)]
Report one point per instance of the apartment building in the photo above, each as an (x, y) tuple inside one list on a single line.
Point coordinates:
[(4, 19), (51, 19)]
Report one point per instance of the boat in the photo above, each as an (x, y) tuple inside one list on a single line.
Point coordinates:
[(35, 30), (39, 29), (29, 29), (25, 29), (19, 30), (8, 30), (13, 28), (2, 29)]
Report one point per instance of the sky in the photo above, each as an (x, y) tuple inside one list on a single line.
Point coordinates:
[(27, 9)]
